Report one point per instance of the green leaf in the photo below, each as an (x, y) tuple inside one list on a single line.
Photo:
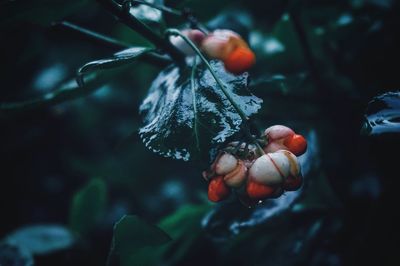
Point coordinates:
[(42, 11), (184, 227), (88, 206), (175, 127), (121, 58), (292, 56), (132, 234), (40, 239), (278, 49), (185, 219)]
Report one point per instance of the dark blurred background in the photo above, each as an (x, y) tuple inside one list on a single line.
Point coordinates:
[(319, 64)]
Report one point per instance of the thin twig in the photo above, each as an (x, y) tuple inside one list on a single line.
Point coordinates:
[(67, 91), (187, 13), (151, 57), (122, 12), (92, 34)]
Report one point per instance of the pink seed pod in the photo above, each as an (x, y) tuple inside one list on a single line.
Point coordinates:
[(274, 146), (226, 163), (265, 171), (283, 138), (276, 136), (294, 169), (221, 43), (195, 36), (237, 177), (278, 132), (294, 180), (273, 168)]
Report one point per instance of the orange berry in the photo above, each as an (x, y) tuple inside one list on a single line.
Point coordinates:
[(297, 144), (217, 190), (240, 60), (293, 183), (259, 191)]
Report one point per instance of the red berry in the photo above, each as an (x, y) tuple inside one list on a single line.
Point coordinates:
[(259, 191), (297, 144), (217, 190), (293, 183), (240, 60)]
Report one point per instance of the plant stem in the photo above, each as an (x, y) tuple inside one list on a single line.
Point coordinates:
[(151, 57), (192, 83), (122, 12), (241, 113), (246, 130), (194, 23), (259, 148), (67, 91), (205, 61), (92, 34)]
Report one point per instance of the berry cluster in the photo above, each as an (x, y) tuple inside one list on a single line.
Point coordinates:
[(224, 45), (256, 177)]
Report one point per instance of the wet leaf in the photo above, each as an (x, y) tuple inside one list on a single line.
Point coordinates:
[(383, 114), (41, 239), (88, 206), (184, 111), (121, 58)]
